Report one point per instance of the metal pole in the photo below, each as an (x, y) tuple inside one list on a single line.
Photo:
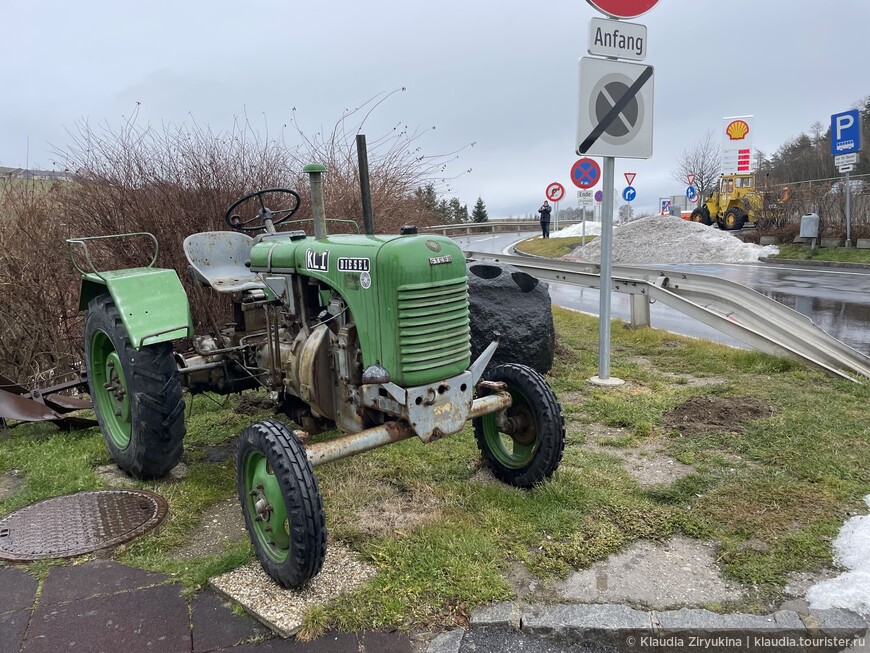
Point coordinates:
[(848, 213), (365, 188), (315, 182), (603, 377)]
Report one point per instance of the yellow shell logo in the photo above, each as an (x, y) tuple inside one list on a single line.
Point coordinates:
[(737, 130)]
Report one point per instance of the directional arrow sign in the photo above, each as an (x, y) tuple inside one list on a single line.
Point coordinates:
[(615, 116), (629, 194)]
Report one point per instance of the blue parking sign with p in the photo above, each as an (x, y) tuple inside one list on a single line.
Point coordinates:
[(846, 132)]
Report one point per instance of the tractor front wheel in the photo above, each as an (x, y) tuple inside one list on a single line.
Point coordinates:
[(733, 219), (701, 215), (522, 444), (281, 503), (137, 394)]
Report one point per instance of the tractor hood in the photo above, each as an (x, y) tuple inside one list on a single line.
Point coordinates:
[(407, 293)]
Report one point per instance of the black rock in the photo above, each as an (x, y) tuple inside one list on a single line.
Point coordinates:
[(516, 305)]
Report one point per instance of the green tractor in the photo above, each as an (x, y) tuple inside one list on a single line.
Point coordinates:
[(369, 335)]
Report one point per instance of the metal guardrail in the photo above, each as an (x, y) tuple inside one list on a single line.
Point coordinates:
[(492, 226), (745, 314)]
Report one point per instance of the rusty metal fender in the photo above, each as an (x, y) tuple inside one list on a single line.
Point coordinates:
[(151, 302)]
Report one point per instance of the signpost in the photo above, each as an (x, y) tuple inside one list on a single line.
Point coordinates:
[(614, 119), (845, 145)]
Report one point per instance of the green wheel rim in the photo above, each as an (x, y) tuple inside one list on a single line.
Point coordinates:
[(507, 450), (266, 506), (110, 389)]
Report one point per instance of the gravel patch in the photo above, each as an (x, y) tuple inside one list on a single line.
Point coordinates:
[(665, 239), (283, 610)]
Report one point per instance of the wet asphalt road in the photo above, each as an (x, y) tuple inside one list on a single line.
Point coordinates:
[(837, 300)]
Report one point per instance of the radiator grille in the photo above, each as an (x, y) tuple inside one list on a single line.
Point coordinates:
[(434, 328)]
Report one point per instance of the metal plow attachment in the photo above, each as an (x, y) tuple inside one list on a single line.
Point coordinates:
[(47, 404)]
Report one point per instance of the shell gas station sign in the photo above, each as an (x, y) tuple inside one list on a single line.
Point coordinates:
[(737, 145)]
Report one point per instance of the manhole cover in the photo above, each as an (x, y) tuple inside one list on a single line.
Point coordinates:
[(76, 524)]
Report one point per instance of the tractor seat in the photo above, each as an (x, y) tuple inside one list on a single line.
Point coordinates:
[(217, 259)]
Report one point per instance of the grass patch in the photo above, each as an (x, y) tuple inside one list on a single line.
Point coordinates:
[(805, 253), (442, 532), (552, 247)]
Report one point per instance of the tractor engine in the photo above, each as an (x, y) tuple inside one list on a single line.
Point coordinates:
[(336, 316)]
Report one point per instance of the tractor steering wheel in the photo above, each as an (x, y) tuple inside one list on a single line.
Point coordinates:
[(264, 218)]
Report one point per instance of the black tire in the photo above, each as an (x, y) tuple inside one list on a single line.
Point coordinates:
[(142, 415), (701, 215), (536, 450), (271, 465), (733, 219)]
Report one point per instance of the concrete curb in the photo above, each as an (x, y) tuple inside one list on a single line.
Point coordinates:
[(814, 264), (610, 625)]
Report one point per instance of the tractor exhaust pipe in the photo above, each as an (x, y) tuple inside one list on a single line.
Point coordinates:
[(365, 188), (318, 212)]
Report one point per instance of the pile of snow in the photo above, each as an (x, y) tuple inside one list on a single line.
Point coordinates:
[(851, 589), (666, 239), (576, 230)]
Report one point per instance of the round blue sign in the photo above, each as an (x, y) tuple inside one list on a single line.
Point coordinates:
[(629, 194), (691, 193), (599, 196)]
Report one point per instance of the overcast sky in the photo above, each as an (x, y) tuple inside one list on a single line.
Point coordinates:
[(500, 74)]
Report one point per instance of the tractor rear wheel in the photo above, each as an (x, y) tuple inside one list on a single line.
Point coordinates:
[(701, 215), (734, 219), (137, 394), (281, 503), (523, 444)]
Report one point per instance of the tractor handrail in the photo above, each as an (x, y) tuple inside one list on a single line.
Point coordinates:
[(93, 268), (353, 222)]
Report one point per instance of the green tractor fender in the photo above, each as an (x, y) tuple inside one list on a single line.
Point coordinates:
[(151, 301)]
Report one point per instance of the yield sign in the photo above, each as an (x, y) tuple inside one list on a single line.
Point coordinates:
[(629, 177), (691, 179)]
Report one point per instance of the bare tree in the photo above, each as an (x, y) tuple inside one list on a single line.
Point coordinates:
[(704, 160)]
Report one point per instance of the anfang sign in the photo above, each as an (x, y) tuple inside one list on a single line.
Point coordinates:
[(615, 38)]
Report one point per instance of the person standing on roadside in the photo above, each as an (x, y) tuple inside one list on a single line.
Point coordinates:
[(545, 212)]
